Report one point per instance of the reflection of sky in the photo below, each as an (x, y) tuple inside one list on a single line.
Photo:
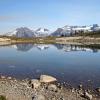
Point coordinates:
[(68, 66)]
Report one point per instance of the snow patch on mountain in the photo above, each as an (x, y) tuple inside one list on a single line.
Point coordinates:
[(42, 32)]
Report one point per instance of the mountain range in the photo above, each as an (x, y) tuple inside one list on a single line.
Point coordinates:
[(43, 32), (26, 32), (70, 30)]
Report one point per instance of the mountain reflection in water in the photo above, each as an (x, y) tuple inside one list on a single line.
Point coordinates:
[(64, 47)]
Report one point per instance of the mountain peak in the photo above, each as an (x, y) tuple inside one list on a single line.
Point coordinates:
[(42, 30)]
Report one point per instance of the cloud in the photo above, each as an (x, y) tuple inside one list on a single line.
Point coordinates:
[(5, 18)]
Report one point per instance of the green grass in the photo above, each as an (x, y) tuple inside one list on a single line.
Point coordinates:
[(31, 40), (90, 34), (2, 97)]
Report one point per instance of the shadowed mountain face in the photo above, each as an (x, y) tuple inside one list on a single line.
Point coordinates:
[(24, 32), (57, 32)]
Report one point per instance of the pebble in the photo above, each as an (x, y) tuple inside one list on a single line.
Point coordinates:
[(73, 90)]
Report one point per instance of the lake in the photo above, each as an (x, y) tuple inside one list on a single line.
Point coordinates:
[(68, 63)]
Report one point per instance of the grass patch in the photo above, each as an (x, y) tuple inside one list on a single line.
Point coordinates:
[(2, 97)]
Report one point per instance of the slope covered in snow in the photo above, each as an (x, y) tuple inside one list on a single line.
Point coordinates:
[(42, 32)]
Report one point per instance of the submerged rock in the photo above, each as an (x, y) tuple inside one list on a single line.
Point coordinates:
[(47, 79)]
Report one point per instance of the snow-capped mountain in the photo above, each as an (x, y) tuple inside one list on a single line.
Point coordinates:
[(68, 30), (42, 32), (21, 32), (26, 32)]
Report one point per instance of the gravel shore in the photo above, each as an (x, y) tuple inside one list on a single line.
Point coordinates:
[(43, 89)]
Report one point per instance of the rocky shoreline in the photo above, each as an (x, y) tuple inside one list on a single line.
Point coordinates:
[(45, 88)]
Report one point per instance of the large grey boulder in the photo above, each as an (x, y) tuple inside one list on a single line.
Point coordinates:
[(47, 79)]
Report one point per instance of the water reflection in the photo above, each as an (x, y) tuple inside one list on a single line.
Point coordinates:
[(65, 47), (42, 47), (24, 47), (69, 48), (27, 47)]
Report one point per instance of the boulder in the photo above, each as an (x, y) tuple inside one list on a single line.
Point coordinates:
[(47, 79), (35, 83), (3, 77), (9, 78), (98, 89), (88, 96), (52, 87)]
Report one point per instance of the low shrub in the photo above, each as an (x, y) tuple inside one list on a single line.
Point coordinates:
[(2, 97)]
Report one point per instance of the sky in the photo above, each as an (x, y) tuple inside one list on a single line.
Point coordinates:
[(49, 14)]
